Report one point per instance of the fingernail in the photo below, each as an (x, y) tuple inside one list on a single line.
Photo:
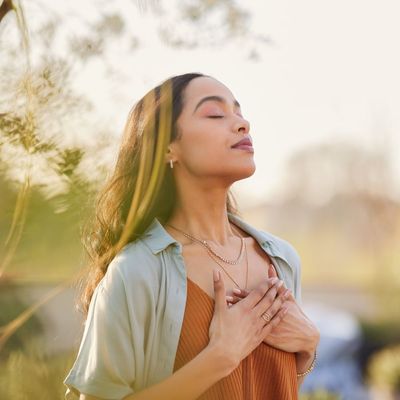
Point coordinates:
[(216, 275), (229, 299), (287, 293), (237, 291)]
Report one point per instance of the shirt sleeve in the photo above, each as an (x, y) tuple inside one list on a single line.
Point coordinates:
[(294, 261), (105, 364), (297, 281)]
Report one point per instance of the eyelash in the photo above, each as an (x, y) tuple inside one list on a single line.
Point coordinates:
[(215, 116)]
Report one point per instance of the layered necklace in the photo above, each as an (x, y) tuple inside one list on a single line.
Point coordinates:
[(215, 256)]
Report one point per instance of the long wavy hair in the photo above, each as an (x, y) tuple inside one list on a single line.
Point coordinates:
[(140, 188)]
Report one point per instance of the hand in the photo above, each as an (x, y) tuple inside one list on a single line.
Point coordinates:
[(296, 333), (236, 344)]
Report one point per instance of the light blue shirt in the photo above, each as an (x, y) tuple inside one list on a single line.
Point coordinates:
[(135, 316)]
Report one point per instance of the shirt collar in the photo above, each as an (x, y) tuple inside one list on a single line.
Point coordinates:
[(158, 239)]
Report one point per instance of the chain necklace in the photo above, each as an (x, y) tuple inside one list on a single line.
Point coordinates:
[(209, 248), (213, 256), (226, 272)]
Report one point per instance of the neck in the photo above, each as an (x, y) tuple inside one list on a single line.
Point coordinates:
[(202, 213)]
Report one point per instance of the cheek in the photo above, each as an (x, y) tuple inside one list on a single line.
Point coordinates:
[(203, 142), (204, 155)]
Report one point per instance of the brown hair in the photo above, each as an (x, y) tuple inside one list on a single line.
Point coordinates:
[(140, 187)]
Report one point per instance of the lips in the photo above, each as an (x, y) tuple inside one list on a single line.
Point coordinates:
[(244, 142)]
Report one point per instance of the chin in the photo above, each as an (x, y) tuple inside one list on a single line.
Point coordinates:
[(245, 172)]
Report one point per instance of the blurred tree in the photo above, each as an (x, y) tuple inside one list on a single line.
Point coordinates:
[(210, 23), (343, 197), (317, 173)]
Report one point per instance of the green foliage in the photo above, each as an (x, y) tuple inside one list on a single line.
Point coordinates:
[(30, 375), (50, 250), (381, 332)]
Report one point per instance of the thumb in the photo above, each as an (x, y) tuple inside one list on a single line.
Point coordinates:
[(271, 272), (219, 291)]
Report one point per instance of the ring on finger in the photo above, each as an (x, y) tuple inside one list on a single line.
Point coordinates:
[(266, 316)]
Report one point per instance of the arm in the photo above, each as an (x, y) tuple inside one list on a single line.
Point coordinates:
[(189, 382), (224, 351)]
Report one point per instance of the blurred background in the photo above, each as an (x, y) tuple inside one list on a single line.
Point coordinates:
[(319, 82)]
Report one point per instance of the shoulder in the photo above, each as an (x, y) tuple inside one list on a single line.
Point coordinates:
[(276, 245), (134, 265), (291, 262), (283, 249)]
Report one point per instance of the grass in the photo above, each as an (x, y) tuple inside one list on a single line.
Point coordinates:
[(29, 374)]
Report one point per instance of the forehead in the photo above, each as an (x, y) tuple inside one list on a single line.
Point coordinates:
[(202, 87)]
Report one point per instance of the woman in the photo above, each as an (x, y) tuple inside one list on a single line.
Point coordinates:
[(185, 299)]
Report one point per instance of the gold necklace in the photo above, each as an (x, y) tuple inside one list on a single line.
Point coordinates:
[(209, 248), (226, 272)]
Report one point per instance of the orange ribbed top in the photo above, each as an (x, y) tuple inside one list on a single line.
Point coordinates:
[(265, 374)]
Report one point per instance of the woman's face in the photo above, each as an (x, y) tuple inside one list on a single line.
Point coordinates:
[(210, 123)]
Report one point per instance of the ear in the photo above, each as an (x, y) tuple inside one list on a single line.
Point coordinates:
[(168, 154), (171, 153)]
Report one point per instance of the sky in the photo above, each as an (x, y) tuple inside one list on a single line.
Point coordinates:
[(330, 72)]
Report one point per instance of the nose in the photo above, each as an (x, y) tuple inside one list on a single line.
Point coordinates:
[(242, 126)]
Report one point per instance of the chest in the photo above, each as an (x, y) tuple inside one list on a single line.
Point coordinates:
[(199, 268)]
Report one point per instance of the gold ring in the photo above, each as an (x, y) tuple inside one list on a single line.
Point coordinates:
[(266, 317)]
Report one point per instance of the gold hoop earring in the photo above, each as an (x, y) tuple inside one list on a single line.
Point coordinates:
[(171, 164)]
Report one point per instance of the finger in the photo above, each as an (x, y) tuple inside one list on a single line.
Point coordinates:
[(271, 272), (277, 304), (291, 296), (274, 322), (268, 299), (240, 293), (235, 300), (258, 293), (219, 291), (229, 299), (282, 289)]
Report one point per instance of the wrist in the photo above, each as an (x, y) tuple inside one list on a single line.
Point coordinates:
[(305, 364), (305, 355), (306, 358), (310, 347), (220, 360)]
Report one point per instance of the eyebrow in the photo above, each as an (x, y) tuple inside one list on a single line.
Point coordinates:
[(219, 99)]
